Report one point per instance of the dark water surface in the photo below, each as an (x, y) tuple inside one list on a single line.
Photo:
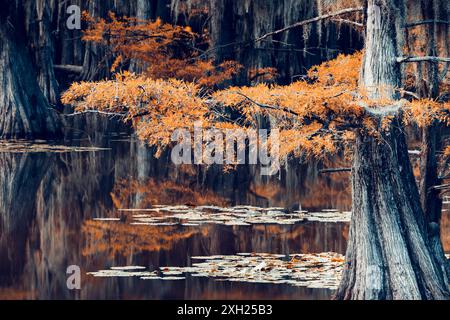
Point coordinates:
[(48, 201)]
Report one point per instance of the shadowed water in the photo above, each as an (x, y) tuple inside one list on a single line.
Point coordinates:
[(48, 202)]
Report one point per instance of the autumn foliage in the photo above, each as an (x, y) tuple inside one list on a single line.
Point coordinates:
[(163, 50), (318, 114)]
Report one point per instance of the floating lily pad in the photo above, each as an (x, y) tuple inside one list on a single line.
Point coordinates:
[(21, 146), (106, 219), (304, 270), (121, 273), (162, 215), (173, 278), (128, 268)]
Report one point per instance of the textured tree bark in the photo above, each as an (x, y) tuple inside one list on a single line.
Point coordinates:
[(96, 62), (427, 86), (389, 255), (24, 110), (38, 28), (429, 197)]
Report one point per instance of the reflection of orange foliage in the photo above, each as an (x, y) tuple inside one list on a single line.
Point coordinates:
[(125, 239), (161, 192), (16, 294), (329, 189), (324, 192), (313, 191), (307, 238), (263, 190), (279, 230), (445, 229)]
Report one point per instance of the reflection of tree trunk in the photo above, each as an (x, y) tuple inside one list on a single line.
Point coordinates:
[(20, 178), (24, 109), (389, 255)]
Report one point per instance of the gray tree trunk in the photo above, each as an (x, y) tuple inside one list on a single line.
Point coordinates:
[(24, 110), (389, 255), (427, 86)]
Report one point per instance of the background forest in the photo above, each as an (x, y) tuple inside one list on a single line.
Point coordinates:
[(359, 90)]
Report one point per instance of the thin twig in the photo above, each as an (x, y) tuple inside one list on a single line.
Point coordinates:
[(333, 170)]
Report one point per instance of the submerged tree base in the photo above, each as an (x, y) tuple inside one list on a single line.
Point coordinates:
[(389, 255)]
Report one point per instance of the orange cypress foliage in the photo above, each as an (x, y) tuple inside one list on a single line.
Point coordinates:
[(317, 115), (447, 151), (167, 51)]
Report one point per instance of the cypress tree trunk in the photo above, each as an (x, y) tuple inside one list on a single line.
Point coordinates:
[(427, 86), (389, 255), (20, 178), (24, 110), (38, 28)]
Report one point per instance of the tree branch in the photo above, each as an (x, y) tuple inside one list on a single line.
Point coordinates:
[(105, 113), (418, 23), (110, 114), (441, 187), (69, 68), (420, 59), (333, 170), (267, 106), (382, 111), (354, 23), (445, 177), (295, 25), (308, 21), (409, 93)]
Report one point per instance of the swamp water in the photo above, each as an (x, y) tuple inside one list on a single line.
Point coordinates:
[(140, 228)]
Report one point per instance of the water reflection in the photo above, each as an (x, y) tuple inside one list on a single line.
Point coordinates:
[(48, 201)]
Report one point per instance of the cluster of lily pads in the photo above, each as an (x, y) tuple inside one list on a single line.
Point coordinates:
[(22, 146), (322, 270), (162, 215)]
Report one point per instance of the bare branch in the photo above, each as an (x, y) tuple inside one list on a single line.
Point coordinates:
[(354, 23), (409, 93), (295, 25), (420, 59), (105, 113), (383, 111), (441, 187), (69, 68), (308, 21), (267, 106), (333, 170), (418, 23)]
